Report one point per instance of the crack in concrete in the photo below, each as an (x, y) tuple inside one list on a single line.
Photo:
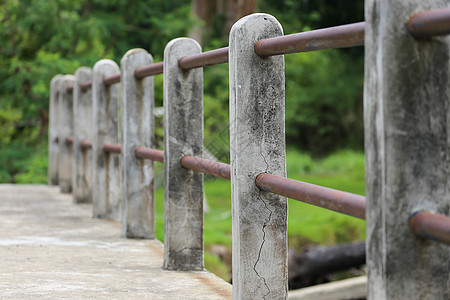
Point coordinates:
[(264, 233)]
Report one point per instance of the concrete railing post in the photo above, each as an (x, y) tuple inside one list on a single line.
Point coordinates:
[(53, 126), (82, 158), (183, 135), (257, 145), (65, 130), (407, 134), (137, 131), (106, 193)]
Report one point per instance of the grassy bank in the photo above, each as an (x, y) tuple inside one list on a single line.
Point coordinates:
[(307, 224)]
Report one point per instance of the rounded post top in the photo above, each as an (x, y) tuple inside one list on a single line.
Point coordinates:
[(261, 21), (66, 81), (55, 79), (135, 51), (105, 63), (82, 70), (183, 43)]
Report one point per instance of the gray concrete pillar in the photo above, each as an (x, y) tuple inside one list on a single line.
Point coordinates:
[(257, 144), (82, 128), (106, 192), (183, 135), (65, 130), (137, 131), (407, 140), (53, 126)]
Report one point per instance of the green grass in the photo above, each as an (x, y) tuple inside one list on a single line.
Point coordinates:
[(307, 224)]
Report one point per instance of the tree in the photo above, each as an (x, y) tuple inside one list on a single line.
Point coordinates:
[(218, 16)]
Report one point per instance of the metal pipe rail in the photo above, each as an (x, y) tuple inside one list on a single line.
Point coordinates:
[(108, 80), (206, 166), (344, 36), (208, 58), (431, 226), (149, 70), (421, 25), (431, 23), (86, 145), (149, 153), (69, 140), (338, 201), (86, 85), (112, 148)]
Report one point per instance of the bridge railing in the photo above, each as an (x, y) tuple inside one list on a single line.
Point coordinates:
[(101, 148)]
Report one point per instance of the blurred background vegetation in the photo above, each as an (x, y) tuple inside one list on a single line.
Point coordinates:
[(324, 127)]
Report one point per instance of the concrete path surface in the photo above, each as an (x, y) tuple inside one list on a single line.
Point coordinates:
[(51, 248)]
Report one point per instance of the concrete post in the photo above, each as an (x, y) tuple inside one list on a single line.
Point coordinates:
[(407, 137), (257, 145), (106, 193), (183, 135), (137, 131), (65, 130), (82, 127), (53, 108)]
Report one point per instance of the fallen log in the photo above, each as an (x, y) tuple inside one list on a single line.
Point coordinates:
[(315, 264)]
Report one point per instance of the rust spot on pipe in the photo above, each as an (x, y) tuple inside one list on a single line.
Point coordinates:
[(69, 140), (108, 80), (112, 148), (207, 166), (344, 36), (149, 70), (86, 86), (431, 23), (86, 144), (208, 58), (431, 226), (149, 153), (338, 201)]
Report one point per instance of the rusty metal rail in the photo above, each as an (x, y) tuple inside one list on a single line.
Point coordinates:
[(112, 148), (342, 202), (208, 58), (69, 140), (108, 80), (149, 70), (430, 23), (350, 35), (334, 37), (86, 85), (206, 166), (86, 145), (421, 25), (431, 226), (149, 153)]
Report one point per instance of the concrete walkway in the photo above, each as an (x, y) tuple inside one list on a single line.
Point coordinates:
[(52, 248)]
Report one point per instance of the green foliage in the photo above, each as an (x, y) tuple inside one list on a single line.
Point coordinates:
[(35, 170), (43, 38), (323, 101)]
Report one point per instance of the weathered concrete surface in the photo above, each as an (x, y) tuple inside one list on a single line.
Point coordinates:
[(82, 130), (51, 248), (183, 135), (106, 192), (53, 130), (257, 144), (65, 129), (407, 137), (138, 207)]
